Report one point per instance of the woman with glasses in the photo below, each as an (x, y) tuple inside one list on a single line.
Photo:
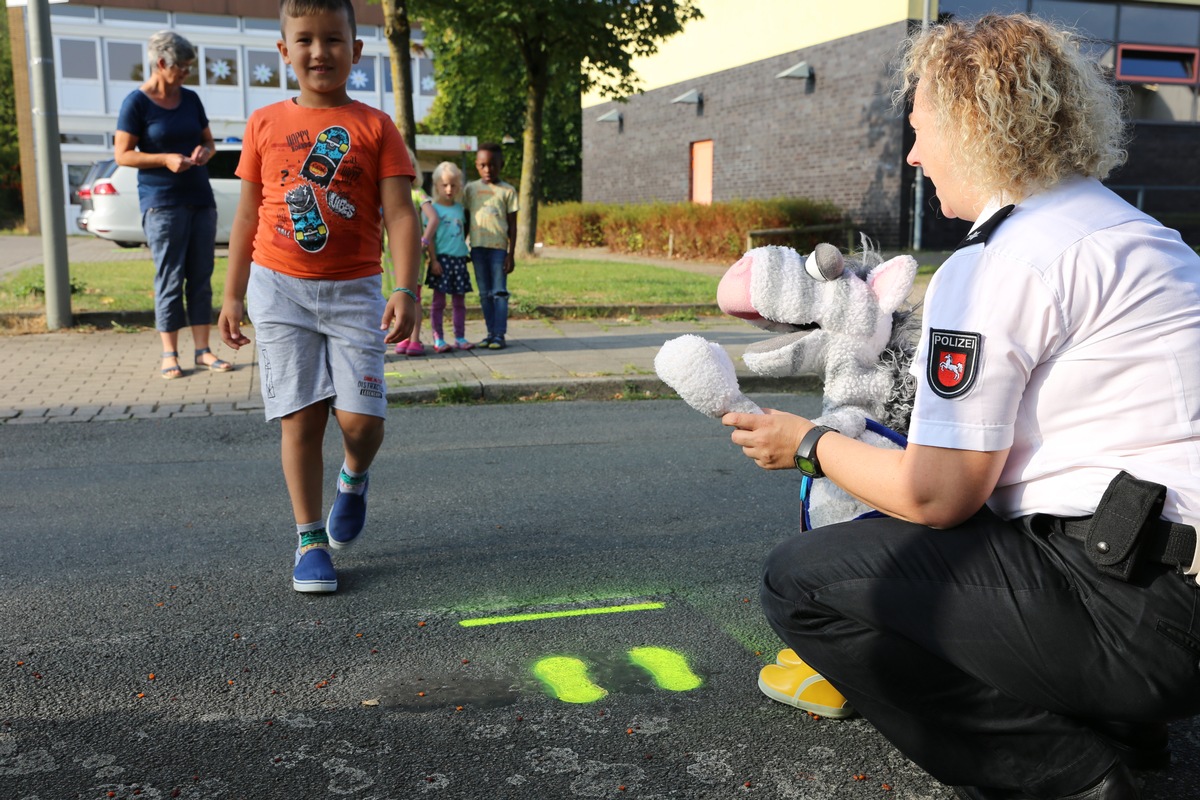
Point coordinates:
[(163, 131)]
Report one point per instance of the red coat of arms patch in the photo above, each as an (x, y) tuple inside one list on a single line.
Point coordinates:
[(953, 361)]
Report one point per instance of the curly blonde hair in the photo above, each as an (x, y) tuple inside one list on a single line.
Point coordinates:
[(1018, 99)]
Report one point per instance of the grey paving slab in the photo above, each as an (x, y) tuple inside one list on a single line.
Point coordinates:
[(101, 375)]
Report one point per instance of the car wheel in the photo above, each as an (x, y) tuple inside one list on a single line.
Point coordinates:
[(128, 245)]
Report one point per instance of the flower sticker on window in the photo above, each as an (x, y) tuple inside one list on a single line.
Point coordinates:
[(358, 79), (220, 69), (263, 74)]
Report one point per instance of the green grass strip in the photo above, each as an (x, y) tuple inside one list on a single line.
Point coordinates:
[(669, 669), (567, 679), (574, 612)]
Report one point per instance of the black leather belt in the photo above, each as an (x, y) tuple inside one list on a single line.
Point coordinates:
[(1163, 542)]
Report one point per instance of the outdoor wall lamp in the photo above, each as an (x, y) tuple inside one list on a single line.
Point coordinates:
[(801, 70), (692, 97), (613, 116)]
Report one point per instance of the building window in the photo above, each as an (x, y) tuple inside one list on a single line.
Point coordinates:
[(425, 81), (1159, 25), (97, 139), (85, 12), (1095, 20), (263, 67), (1146, 64), (156, 18), (255, 25), (126, 61), (362, 75), (78, 59), (220, 67), (206, 21), (701, 189), (972, 9)]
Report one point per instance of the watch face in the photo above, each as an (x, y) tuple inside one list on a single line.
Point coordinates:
[(806, 466)]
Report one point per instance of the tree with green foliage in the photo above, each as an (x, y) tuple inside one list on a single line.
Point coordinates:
[(398, 32), (475, 97), (529, 46), (11, 207)]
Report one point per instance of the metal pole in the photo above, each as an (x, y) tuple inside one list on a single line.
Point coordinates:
[(44, 100), (919, 193)]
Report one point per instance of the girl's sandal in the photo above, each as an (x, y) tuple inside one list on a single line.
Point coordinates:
[(216, 366), (171, 373)]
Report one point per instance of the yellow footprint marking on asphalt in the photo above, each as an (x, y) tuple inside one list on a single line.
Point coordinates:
[(567, 679), (669, 669)]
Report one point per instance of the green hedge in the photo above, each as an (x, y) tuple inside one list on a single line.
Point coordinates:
[(684, 230)]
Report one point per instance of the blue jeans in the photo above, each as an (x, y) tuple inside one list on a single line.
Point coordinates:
[(493, 288), (182, 242)]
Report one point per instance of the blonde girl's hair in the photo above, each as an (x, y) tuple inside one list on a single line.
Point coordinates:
[(419, 180), (448, 169), (1018, 99)]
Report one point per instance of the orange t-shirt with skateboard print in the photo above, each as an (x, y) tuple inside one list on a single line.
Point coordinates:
[(320, 170)]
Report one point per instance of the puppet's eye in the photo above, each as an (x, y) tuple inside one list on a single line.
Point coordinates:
[(825, 263)]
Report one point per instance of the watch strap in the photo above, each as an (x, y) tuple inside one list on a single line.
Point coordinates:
[(806, 453)]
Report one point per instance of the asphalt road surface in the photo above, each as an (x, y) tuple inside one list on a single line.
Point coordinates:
[(151, 645)]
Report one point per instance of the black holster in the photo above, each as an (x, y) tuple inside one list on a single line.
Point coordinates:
[(1129, 509)]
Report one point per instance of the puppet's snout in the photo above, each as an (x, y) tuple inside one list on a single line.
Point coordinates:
[(733, 292)]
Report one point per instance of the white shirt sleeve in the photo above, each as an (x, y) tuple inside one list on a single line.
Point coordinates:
[(1019, 322)]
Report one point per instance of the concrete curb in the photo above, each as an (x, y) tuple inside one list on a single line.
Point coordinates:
[(608, 388), (103, 320)]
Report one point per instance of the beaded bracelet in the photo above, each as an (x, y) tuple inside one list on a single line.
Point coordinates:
[(408, 292)]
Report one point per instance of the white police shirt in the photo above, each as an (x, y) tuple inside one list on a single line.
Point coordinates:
[(1072, 336)]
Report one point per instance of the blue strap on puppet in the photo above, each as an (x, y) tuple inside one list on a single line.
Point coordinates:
[(806, 482)]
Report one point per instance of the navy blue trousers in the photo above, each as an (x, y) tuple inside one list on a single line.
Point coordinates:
[(982, 652)]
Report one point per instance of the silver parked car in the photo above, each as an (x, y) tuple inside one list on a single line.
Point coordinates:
[(115, 213), (82, 196)]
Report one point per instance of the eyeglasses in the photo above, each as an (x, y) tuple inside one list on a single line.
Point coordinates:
[(185, 69)]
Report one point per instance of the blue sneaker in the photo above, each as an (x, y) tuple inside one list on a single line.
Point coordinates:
[(486, 342), (314, 571), (497, 343), (347, 517)]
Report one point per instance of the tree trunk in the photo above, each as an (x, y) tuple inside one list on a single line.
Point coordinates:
[(531, 166), (399, 36)]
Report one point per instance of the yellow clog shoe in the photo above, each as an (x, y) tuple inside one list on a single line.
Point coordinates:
[(801, 686), (788, 658)]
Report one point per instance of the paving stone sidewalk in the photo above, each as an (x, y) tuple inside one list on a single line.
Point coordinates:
[(108, 375)]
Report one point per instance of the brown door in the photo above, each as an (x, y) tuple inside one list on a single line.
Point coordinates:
[(702, 172)]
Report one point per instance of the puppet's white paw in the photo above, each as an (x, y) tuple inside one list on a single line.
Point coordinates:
[(702, 373)]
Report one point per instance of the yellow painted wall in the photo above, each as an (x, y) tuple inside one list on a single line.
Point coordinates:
[(738, 32)]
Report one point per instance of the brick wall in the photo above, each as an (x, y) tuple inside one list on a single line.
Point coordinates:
[(834, 139)]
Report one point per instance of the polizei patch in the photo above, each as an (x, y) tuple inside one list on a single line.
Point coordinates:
[(953, 362)]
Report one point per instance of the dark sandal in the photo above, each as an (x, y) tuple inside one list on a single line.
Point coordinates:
[(216, 366), (171, 373)]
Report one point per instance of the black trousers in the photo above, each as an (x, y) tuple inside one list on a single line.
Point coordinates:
[(982, 652)]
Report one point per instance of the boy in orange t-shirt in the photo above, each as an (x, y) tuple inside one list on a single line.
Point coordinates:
[(316, 171)]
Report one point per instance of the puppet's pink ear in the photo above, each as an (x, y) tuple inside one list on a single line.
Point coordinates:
[(892, 281), (733, 292)]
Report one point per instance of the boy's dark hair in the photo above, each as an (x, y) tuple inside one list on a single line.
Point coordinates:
[(304, 8), (494, 148)]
